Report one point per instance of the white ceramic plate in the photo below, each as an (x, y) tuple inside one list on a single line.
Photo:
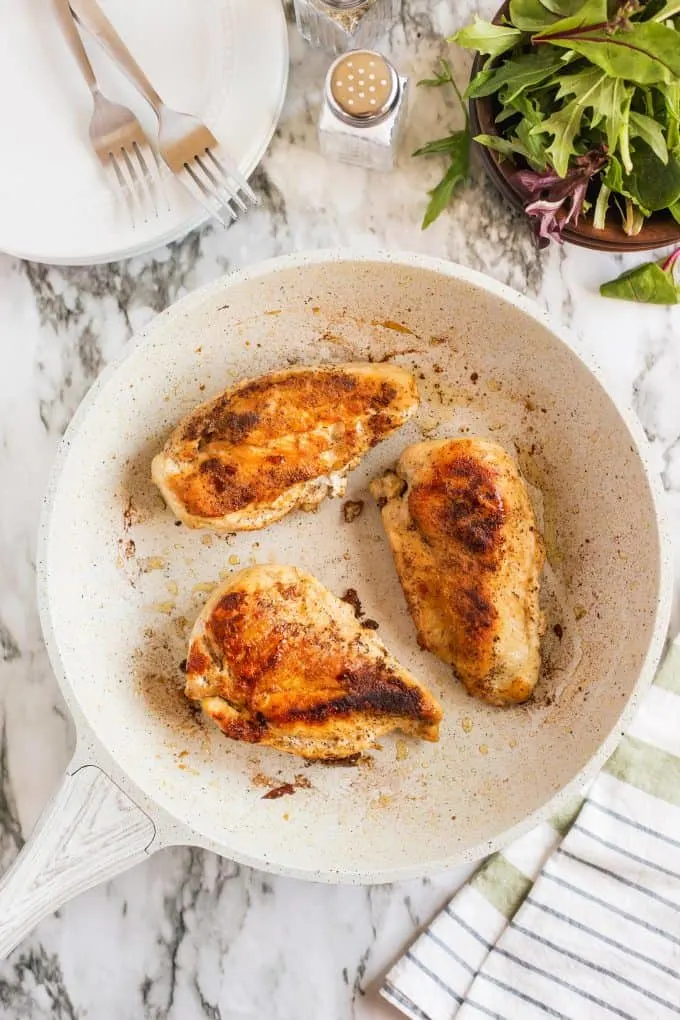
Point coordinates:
[(224, 60)]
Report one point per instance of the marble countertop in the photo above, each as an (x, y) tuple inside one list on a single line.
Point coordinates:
[(188, 935)]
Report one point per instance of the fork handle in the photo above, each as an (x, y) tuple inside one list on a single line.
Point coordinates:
[(92, 17), (72, 36)]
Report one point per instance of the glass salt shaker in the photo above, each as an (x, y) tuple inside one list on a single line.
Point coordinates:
[(363, 110), (340, 25)]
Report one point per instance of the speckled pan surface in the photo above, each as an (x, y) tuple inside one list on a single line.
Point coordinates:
[(122, 583)]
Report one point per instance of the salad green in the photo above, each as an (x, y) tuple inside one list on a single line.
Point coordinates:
[(588, 109), (652, 283), (456, 146)]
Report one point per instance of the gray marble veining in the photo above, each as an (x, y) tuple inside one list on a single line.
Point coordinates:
[(188, 935)]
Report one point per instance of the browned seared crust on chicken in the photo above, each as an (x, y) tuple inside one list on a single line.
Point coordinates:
[(469, 558), (285, 440), (276, 659)]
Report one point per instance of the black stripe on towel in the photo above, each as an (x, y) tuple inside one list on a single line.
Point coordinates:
[(401, 1001), (614, 910), (619, 878), (594, 966), (633, 823), (468, 929), (626, 853), (572, 922), (459, 959), (564, 984), (433, 977), (548, 1010)]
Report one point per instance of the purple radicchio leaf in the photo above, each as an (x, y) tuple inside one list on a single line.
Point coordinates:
[(556, 202)]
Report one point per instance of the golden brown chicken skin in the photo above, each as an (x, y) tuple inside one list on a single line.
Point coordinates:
[(276, 659), (469, 558), (285, 440)]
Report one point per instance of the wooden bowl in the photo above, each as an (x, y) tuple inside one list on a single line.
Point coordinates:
[(661, 229)]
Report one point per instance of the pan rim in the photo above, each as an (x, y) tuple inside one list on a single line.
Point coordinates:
[(171, 828)]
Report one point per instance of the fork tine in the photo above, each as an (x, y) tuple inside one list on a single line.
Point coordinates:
[(230, 171), (136, 190), (146, 174), (161, 180), (221, 186), (122, 168), (207, 199), (123, 187), (118, 191)]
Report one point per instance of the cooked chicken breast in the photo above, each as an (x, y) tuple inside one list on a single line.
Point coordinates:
[(282, 441), (469, 558), (276, 659)]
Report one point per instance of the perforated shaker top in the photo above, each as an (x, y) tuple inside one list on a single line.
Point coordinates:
[(363, 84)]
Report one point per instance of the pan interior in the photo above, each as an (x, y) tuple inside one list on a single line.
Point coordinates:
[(124, 583)]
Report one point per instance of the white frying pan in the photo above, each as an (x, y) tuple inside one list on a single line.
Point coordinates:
[(120, 584)]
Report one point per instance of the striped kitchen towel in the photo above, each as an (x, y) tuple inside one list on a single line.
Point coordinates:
[(580, 918)]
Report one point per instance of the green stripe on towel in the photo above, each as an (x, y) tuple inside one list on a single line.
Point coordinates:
[(566, 815), (669, 674), (648, 768), (502, 884)]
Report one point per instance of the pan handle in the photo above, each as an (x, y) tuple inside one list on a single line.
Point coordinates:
[(89, 832)]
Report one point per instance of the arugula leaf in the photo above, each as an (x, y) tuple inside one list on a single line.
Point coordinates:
[(649, 131), (506, 113), (646, 52), (506, 146), (438, 146), (456, 146), (608, 98), (458, 171), (525, 106), (535, 145), (515, 75), (488, 38), (564, 124), (515, 146), (479, 81), (531, 15), (675, 211), (613, 103), (653, 185), (532, 146), (442, 77), (648, 283)]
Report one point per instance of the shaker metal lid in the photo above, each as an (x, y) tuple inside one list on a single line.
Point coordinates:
[(362, 86)]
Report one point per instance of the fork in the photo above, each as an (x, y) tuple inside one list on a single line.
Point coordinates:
[(187, 146), (116, 135)]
